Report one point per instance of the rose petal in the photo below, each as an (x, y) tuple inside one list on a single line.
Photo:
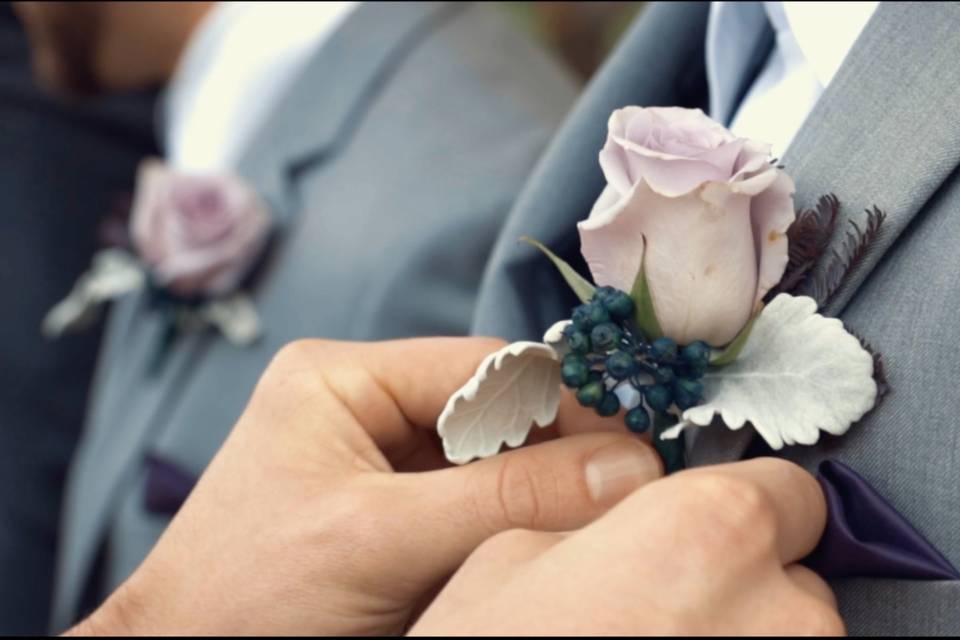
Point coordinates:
[(613, 251), (771, 213), (198, 265), (755, 156), (699, 258), (674, 178), (671, 133), (613, 163), (671, 175), (191, 249), (725, 156), (755, 184), (674, 150)]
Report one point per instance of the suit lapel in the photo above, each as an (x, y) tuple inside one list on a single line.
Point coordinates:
[(307, 127), (886, 132), (319, 113)]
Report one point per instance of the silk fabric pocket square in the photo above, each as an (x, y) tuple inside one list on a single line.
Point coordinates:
[(167, 486), (866, 537)]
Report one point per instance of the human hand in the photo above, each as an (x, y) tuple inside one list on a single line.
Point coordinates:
[(710, 551), (328, 510)]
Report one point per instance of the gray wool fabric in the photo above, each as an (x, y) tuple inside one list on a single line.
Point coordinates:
[(390, 167), (887, 133)]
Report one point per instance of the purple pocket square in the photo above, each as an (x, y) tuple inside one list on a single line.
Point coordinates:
[(865, 537), (167, 486)]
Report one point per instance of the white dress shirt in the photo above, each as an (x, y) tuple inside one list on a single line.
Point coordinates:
[(241, 59), (812, 39)]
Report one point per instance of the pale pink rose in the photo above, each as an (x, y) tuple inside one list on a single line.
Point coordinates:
[(711, 209), (199, 235)]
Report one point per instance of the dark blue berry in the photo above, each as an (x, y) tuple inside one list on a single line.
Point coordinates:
[(620, 365), (581, 317), (575, 370), (697, 371), (609, 406), (658, 397), (687, 393), (696, 353), (597, 313), (616, 302), (576, 339), (663, 375), (591, 394), (637, 419), (602, 294), (605, 336), (663, 349)]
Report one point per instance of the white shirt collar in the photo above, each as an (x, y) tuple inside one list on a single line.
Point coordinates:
[(826, 32), (812, 40), (241, 60)]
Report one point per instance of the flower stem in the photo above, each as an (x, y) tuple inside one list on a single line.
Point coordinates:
[(672, 452)]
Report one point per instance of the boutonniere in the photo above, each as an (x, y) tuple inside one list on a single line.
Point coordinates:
[(192, 241), (703, 306)]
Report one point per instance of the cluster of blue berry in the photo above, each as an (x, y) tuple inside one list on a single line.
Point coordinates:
[(607, 351)]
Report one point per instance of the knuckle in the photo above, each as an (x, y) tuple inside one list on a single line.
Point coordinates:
[(729, 513), (515, 499), (801, 483), (522, 493), (352, 515), (294, 355), (290, 379)]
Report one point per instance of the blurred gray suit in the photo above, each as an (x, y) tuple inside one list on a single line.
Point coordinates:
[(391, 164), (886, 132)]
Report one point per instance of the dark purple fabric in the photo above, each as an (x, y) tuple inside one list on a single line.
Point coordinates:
[(865, 537), (167, 486)]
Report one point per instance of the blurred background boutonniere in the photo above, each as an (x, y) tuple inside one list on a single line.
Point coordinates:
[(191, 243)]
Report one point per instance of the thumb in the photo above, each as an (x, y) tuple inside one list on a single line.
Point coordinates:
[(560, 485)]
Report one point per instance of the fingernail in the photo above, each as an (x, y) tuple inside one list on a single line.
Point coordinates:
[(616, 470)]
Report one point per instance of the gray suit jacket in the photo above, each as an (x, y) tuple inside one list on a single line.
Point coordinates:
[(391, 166), (886, 132)]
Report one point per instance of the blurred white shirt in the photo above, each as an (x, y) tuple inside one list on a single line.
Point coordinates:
[(812, 39), (241, 59)]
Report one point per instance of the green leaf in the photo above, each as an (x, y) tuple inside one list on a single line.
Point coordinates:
[(580, 285), (645, 315), (732, 350)]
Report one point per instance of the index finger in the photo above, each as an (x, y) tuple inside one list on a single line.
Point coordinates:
[(756, 498), (787, 493), (397, 389)]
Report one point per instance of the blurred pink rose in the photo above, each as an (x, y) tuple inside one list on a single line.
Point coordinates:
[(711, 209), (199, 235)]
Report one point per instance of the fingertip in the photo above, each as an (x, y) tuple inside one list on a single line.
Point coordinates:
[(619, 467)]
